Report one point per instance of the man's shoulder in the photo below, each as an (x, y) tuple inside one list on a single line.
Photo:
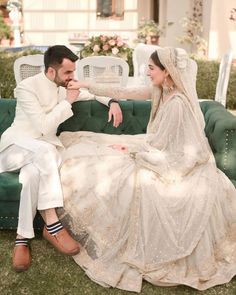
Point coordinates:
[(32, 79), (30, 84)]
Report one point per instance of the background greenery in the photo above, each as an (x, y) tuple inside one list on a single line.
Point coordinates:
[(5, 30), (7, 80), (56, 274), (206, 78)]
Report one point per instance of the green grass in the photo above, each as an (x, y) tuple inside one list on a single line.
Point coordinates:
[(53, 273)]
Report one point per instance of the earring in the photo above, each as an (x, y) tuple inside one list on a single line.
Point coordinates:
[(167, 89)]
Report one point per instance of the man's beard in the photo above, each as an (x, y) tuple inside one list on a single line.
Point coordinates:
[(60, 82)]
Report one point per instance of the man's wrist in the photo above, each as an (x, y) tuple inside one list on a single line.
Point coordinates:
[(111, 101)]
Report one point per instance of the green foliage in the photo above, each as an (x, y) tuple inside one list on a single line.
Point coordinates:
[(7, 80), (207, 78), (231, 98), (5, 30)]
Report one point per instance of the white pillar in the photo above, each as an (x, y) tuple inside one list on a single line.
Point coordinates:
[(15, 16)]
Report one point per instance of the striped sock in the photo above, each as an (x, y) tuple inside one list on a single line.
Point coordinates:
[(21, 242), (54, 228)]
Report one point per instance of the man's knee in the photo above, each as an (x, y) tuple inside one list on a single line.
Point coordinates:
[(48, 153), (29, 174)]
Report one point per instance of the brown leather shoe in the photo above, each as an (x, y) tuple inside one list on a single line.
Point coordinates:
[(62, 241), (21, 258)]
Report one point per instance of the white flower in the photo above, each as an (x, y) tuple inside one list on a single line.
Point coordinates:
[(115, 50)]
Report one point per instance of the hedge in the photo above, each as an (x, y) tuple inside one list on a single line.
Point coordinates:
[(206, 78), (7, 80)]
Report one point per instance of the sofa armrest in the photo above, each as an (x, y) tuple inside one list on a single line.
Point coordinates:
[(7, 113), (220, 130)]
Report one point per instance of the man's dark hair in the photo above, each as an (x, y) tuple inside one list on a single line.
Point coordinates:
[(54, 56), (155, 58)]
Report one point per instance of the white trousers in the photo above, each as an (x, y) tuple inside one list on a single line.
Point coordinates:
[(39, 176)]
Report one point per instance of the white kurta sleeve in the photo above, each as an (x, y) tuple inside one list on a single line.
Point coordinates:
[(44, 122)]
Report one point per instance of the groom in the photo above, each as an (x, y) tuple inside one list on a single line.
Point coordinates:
[(31, 145)]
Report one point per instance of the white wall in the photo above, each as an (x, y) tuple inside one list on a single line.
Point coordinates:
[(173, 11), (144, 8), (218, 30), (47, 22), (221, 31)]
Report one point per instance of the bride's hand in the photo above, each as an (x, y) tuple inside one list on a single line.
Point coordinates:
[(75, 84), (119, 147)]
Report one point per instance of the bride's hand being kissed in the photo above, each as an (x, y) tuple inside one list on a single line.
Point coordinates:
[(119, 147), (75, 84)]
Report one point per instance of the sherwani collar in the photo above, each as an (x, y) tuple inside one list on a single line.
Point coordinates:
[(50, 83)]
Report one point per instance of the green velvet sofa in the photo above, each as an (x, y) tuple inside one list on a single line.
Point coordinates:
[(91, 115)]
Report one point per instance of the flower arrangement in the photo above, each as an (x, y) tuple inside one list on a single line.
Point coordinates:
[(149, 31), (192, 30), (106, 45), (192, 35)]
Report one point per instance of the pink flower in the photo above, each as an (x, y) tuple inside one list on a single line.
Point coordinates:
[(112, 42), (105, 47), (115, 50), (119, 39), (120, 43), (96, 48)]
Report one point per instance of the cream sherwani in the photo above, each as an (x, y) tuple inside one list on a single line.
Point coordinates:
[(31, 144)]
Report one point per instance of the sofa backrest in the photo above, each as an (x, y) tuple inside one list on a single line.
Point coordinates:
[(93, 116)]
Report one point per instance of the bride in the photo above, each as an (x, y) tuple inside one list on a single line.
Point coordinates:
[(152, 206)]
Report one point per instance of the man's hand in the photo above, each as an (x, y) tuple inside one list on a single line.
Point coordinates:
[(116, 113), (72, 95)]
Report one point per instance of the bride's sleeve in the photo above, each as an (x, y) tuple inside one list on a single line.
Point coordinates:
[(177, 146), (136, 93)]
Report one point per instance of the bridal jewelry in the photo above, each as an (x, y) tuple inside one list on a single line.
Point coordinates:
[(167, 90)]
